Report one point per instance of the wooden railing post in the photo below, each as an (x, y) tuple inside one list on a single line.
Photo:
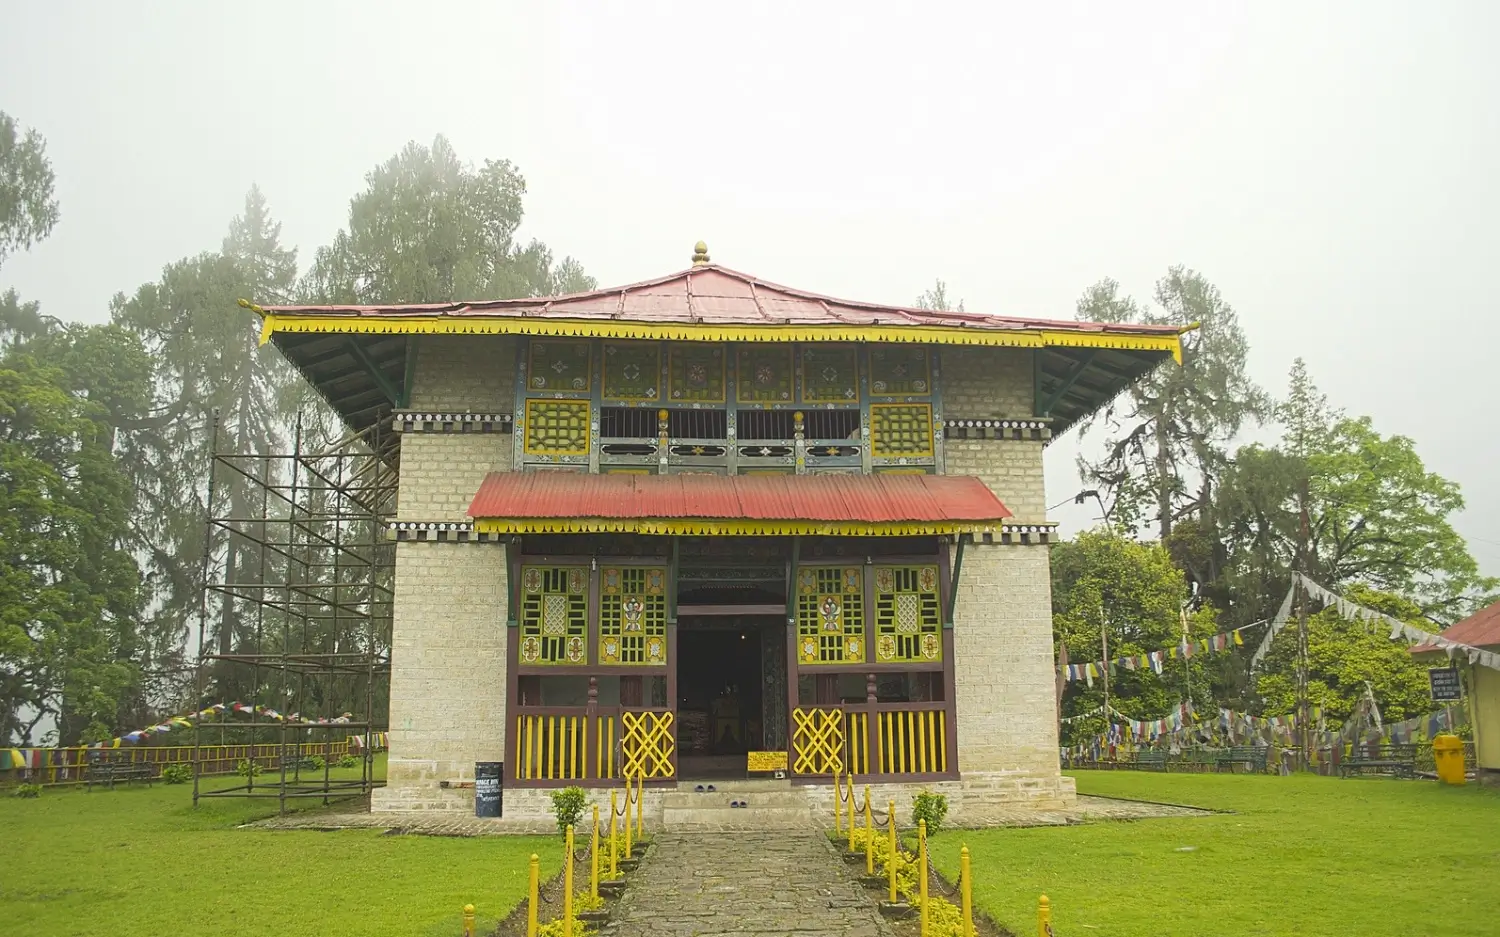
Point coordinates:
[(872, 726)]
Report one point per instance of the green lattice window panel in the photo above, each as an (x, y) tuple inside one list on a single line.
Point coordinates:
[(830, 374), (908, 619), (899, 430), (899, 371), (830, 615), (559, 366), (764, 374), (554, 615), (633, 615), (695, 372), (557, 427), (632, 371)]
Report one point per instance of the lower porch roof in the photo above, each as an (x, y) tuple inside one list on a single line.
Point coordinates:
[(746, 505)]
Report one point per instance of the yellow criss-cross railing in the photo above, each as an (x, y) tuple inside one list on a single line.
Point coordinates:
[(818, 738), (647, 745)]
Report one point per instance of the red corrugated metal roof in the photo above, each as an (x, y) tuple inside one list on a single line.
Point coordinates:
[(1480, 629), (875, 499), (709, 294)]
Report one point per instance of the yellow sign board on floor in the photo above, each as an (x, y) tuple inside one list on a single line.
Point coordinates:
[(766, 761)]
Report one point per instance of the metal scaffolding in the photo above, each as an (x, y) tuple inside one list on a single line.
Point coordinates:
[(295, 620)]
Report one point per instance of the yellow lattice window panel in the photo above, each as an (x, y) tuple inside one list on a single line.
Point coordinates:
[(632, 615), (818, 740), (830, 615), (908, 620), (554, 615), (647, 744), (557, 427), (900, 430)]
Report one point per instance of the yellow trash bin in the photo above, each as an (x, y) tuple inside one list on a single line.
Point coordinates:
[(1448, 753)]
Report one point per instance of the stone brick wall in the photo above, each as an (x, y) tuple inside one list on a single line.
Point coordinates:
[(448, 647), (441, 472), (465, 372), (987, 384), (1003, 664)]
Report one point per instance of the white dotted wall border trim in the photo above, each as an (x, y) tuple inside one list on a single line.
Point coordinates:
[(438, 532), (997, 429), (431, 421), (1019, 534)]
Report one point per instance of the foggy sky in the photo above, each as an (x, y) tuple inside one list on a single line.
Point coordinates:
[(1331, 167)]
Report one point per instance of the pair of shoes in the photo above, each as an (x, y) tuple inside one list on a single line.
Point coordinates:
[(738, 803), (699, 789)]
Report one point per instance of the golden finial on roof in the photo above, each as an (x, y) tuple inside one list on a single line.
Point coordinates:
[(700, 254)]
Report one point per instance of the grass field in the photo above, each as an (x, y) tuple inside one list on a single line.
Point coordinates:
[(1298, 855), (139, 862)]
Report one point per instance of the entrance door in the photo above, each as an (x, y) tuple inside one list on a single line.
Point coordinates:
[(720, 696)]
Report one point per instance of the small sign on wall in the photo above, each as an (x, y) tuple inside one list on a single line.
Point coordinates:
[(766, 763), (1446, 687)]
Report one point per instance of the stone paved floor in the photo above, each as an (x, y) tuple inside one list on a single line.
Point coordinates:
[(745, 885), (457, 823)]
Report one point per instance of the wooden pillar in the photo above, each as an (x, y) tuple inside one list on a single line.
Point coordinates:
[(872, 728)]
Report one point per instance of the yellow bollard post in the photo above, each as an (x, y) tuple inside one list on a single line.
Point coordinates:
[(869, 836), (614, 856), (838, 807), (640, 807), (532, 898), (468, 920), (628, 824), (594, 859), (921, 872), (890, 857), (966, 890), (851, 810), (568, 883), (1044, 918)]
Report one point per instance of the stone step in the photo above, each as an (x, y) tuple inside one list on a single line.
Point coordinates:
[(709, 819), (739, 785), (757, 799)]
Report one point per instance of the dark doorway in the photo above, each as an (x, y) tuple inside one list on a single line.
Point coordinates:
[(719, 698)]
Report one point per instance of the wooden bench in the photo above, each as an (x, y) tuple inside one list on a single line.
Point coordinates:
[(1253, 757), (108, 772), (1150, 761), (1201, 759), (1398, 761)]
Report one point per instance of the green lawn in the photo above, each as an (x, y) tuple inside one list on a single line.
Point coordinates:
[(139, 862), (1299, 855)]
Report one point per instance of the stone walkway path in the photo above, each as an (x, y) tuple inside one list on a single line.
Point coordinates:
[(745, 885)]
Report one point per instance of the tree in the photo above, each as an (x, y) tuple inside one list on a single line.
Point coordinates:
[(209, 361), (1168, 434), (937, 299), (1102, 581), (1344, 657), (28, 210), (69, 586), (1376, 515), (431, 228)]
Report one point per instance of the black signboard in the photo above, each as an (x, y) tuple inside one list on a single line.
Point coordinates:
[(488, 792), (1446, 687)]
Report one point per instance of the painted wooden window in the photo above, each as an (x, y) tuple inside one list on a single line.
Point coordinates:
[(559, 365), (695, 372), (899, 371), (632, 615), (830, 374), (764, 374), (557, 427), (900, 430), (830, 615), (908, 622), (632, 371), (554, 614)]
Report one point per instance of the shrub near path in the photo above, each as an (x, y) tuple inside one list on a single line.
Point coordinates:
[(140, 862), (1299, 855)]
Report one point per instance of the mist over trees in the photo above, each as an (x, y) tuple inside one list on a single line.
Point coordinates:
[(106, 430)]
